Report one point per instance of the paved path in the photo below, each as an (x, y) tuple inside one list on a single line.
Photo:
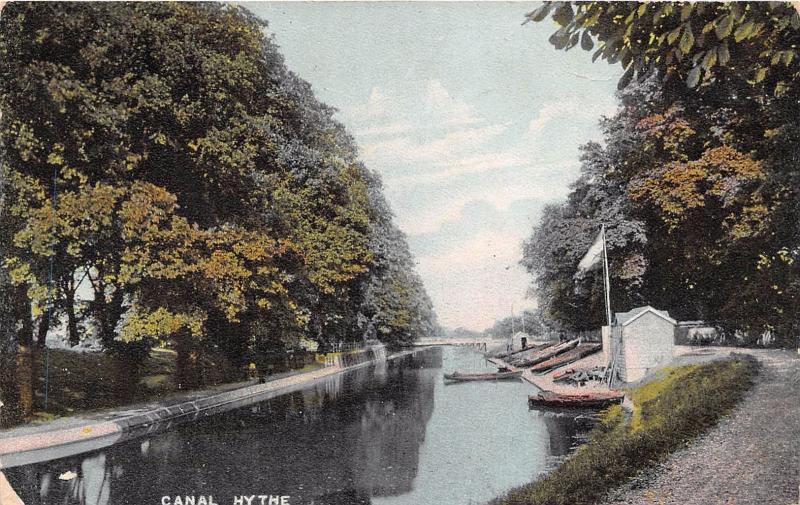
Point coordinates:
[(750, 457)]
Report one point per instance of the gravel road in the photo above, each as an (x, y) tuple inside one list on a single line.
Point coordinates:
[(750, 457)]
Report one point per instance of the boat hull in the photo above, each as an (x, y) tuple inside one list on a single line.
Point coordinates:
[(566, 358), (532, 348), (463, 377), (587, 401), (537, 357)]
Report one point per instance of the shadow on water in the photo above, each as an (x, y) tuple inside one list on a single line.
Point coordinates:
[(369, 436)]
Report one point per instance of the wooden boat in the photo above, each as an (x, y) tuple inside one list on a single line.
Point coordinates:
[(536, 357), (460, 376), (594, 400), (566, 358), (537, 347)]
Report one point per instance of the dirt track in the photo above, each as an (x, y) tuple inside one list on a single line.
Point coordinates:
[(750, 457)]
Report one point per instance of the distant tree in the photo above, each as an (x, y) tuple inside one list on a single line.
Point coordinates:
[(396, 307), (503, 327), (461, 332)]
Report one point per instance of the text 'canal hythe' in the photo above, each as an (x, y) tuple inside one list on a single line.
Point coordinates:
[(255, 499)]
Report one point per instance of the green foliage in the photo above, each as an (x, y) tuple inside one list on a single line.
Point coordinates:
[(396, 307), (563, 236), (669, 412), (205, 193), (692, 40), (705, 175)]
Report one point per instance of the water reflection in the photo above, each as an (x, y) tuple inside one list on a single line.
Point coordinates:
[(562, 430), (355, 431), (385, 434)]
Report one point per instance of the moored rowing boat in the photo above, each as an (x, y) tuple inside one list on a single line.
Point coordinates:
[(531, 348), (597, 399), (579, 375), (459, 376)]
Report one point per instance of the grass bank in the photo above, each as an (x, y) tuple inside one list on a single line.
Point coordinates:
[(669, 411)]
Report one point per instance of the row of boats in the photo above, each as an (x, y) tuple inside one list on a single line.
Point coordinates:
[(543, 359)]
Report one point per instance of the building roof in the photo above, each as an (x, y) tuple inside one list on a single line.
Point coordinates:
[(626, 318)]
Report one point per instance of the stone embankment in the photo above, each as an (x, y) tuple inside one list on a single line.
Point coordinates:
[(78, 434)]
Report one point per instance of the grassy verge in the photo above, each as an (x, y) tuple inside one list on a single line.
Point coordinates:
[(669, 411)]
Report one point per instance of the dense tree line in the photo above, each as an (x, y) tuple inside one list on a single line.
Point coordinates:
[(163, 154), (697, 181)]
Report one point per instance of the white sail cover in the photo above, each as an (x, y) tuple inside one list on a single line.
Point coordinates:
[(593, 255)]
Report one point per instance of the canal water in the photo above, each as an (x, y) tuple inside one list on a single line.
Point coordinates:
[(389, 434)]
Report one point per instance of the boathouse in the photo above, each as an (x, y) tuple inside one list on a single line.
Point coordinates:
[(640, 340)]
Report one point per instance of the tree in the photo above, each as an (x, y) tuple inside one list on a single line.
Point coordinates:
[(703, 149), (566, 231), (503, 327), (697, 41), (396, 307), (165, 154)]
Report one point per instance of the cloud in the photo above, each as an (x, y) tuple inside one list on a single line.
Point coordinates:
[(444, 203), (479, 252), (406, 149), (433, 153), (471, 164), (477, 281), (467, 187), (421, 107), (378, 106), (387, 129), (550, 112), (496, 162), (448, 110)]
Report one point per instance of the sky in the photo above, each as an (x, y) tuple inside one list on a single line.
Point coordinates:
[(473, 121)]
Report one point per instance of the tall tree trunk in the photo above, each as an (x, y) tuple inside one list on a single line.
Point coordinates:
[(44, 327), (114, 313), (107, 312), (9, 393), (24, 361), (129, 356), (72, 320), (186, 360)]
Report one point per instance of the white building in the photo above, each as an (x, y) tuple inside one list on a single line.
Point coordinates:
[(641, 340)]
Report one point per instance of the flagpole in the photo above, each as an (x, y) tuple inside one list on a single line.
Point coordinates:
[(607, 281)]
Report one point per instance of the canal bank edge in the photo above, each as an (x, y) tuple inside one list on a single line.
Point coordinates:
[(49, 443), (683, 402)]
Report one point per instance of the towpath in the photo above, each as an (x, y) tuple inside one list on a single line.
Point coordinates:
[(750, 457)]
